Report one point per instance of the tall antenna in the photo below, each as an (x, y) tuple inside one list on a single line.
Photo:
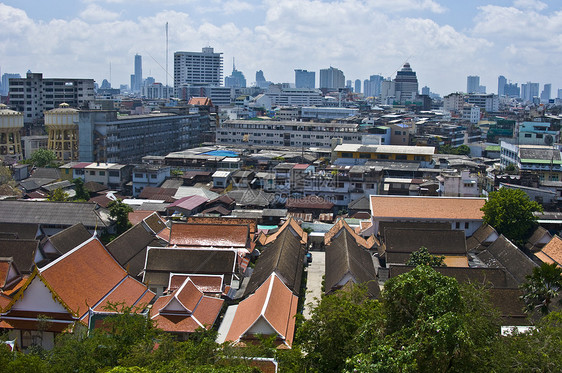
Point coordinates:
[(110, 73), (166, 56), (233, 64)]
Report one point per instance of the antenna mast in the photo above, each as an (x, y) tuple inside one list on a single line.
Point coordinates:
[(167, 57)]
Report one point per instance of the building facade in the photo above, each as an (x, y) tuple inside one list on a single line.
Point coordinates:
[(197, 68), (332, 78), (305, 79)]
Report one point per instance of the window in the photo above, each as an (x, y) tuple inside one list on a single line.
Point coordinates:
[(139, 176), (153, 176), (457, 225), (401, 157), (102, 173), (365, 155), (93, 173), (539, 135), (382, 156), (527, 135), (347, 155), (466, 225), (114, 173)]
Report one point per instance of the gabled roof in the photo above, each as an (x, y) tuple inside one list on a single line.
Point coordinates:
[(296, 229), (361, 204), (23, 252), (22, 231), (186, 309), (158, 193), (344, 257), (129, 249), (285, 257), (538, 239), (273, 306), (9, 273), (205, 283), (69, 238), (209, 235), (342, 224), (93, 187), (434, 208), (503, 253), (200, 101), (87, 275), (188, 203), (251, 197), (437, 242), (160, 262), (552, 252), (484, 235)]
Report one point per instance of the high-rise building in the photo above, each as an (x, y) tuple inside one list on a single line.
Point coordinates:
[(332, 78), (197, 68), (529, 91), (473, 84), (33, 95), (512, 90), (5, 86), (406, 84), (357, 86), (236, 79), (372, 87), (137, 81), (546, 92), (559, 93), (305, 79), (502, 81), (425, 91)]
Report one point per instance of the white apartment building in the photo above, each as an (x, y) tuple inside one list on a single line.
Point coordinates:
[(453, 102), (197, 68), (286, 133), (488, 102), (278, 96), (308, 112)]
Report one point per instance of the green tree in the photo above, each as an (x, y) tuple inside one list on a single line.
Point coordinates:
[(423, 257), (81, 192), (43, 158), (510, 212), (119, 211), (542, 288), (58, 195), (463, 150)]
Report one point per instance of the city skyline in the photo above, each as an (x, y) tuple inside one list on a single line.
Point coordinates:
[(444, 42)]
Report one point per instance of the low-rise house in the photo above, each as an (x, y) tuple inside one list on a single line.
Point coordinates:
[(551, 253), (186, 206), (148, 175), (310, 204), (340, 225), (67, 291), (461, 213), (270, 311), (22, 231), (222, 179)]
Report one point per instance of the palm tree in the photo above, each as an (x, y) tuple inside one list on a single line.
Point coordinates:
[(542, 288)]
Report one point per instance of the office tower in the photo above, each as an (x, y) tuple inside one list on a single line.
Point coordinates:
[(305, 79), (260, 78), (197, 68), (236, 79), (332, 78), (472, 84), (6, 83), (357, 86), (425, 91), (560, 93), (34, 94), (502, 81), (138, 73), (512, 90), (406, 84), (545, 94), (348, 84), (372, 87), (482, 89), (529, 91)]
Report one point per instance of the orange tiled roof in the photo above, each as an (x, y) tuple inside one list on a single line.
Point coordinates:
[(551, 252), (200, 101), (87, 275), (4, 271), (274, 303), (127, 291), (456, 261), (341, 224), (136, 217), (289, 223), (208, 235), (447, 208), (205, 283)]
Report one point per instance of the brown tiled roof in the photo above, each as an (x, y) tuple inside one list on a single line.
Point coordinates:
[(285, 257), (508, 302), (158, 193), (412, 225), (209, 235), (505, 254), (538, 239), (206, 284), (137, 216), (160, 262), (88, 274), (22, 231), (551, 252), (93, 187), (129, 249), (290, 223), (479, 238), (344, 256), (217, 210), (69, 238), (198, 309), (127, 291), (251, 223), (273, 303), (309, 202), (200, 101), (155, 223), (439, 208), (341, 224), (23, 252), (437, 242)]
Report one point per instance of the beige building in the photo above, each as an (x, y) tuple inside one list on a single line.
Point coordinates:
[(11, 123), (62, 126)]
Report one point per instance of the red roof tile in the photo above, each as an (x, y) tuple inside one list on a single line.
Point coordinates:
[(207, 235), (136, 217), (551, 252)]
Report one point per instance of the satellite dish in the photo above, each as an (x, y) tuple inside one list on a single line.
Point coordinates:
[(548, 139)]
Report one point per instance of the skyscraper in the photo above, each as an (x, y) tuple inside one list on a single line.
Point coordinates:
[(332, 78), (425, 91), (529, 91), (473, 84), (372, 87), (357, 86), (305, 79), (197, 68), (502, 81), (406, 84), (138, 73), (236, 79), (546, 92)]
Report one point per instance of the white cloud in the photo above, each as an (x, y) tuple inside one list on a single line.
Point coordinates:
[(530, 4), (95, 13)]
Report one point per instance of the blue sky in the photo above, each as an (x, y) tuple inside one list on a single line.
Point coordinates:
[(444, 40)]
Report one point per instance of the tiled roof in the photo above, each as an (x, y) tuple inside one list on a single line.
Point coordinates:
[(69, 238), (22, 231), (209, 235), (205, 283), (442, 208), (437, 242), (309, 202), (127, 291), (155, 223), (341, 224), (298, 231), (137, 216), (200, 101), (481, 237), (87, 275), (22, 251), (275, 305), (164, 194), (189, 202), (551, 252), (345, 257)]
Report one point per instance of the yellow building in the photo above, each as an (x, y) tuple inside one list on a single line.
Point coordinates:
[(62, 126), (11, 123), (359, 154)]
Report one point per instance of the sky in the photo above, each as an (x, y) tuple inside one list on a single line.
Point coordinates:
[(443, 40)]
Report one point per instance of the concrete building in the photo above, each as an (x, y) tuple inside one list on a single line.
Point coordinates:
[(471, 113), (358, 154), (546, 92), (545, 161), (458, 184), (537, 133), (106, 137), (328, 113), (280, 96), (5, 83), (148, 175), (156, 91), (332, 78), (305, 79), (472, 84), (197, 68), (33, 143), (62, 126), (502, 81), (529, 91), (453, 102), (136, 78), (406, 84), (372, 86), (489, 102), (34, 94), (11, 122), (286, 133), (112, 175), (357, 86), (236, 79), (221, 96)]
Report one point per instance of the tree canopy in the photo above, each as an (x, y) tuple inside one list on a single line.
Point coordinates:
[(542, 288), (510, 212), (43, 158), (119, 212), (423, 257)]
